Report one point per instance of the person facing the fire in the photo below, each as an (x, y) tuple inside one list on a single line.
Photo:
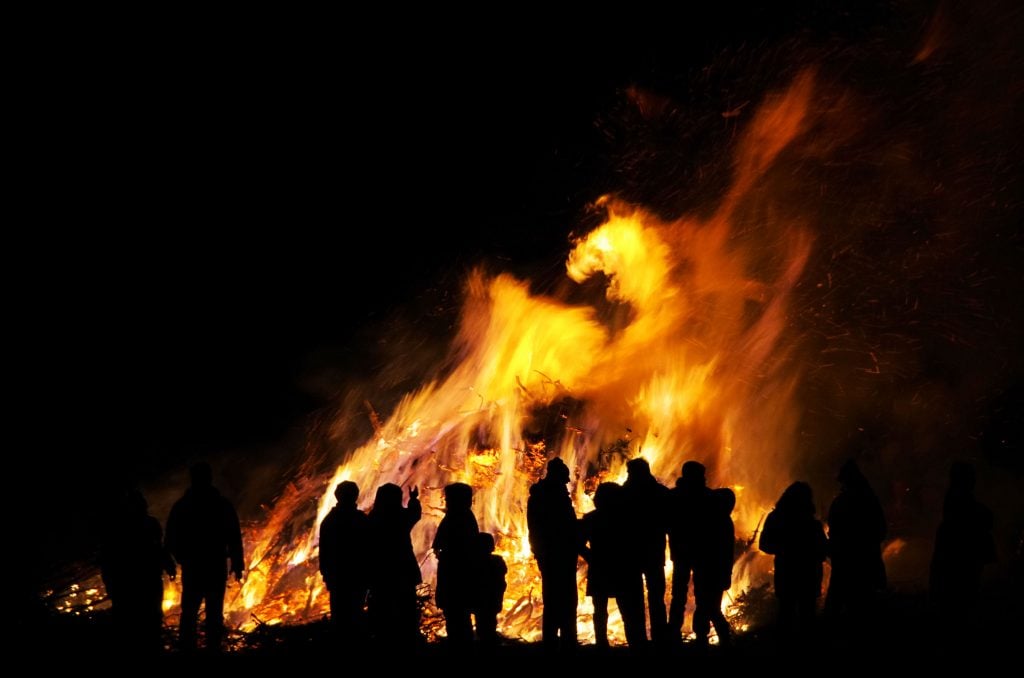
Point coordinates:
[(712, 570), (963, 546), (613, 571), (647, 505), (489, 594), (456, 548), (394, 570), (344, 539), (132, 562), (797, 540), (689, 501), (856, 528), (203, 534), (551, 521)]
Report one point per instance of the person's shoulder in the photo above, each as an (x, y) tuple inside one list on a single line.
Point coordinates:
[(225, 503)]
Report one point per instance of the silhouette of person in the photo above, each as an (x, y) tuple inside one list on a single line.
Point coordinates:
[(394, 570), (203, 534), (648, 505), (457, 548), (613, 571), (490, 591), (132, 562), (797, 540), (690, 499), (856, 528), (963, 546), (344, 541), (712, 572), (551, 521)]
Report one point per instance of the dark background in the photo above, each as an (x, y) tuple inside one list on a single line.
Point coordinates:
[(223, 217)]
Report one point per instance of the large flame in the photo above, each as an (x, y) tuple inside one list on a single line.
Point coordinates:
[(694, 363)]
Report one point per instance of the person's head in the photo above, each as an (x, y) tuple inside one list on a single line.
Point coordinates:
[(134, 503), (485, 541), (693, 474), (961, 477), (558, 472), (606, 495), (201, 474), (347, 493), (724, 500), (458, 497), (797, 499), (850, 474), (388, 498), (638, 469)]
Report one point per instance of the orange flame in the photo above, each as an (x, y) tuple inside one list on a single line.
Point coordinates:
[(698, 368)]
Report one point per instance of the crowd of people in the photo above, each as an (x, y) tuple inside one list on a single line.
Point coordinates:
[(372, 573)]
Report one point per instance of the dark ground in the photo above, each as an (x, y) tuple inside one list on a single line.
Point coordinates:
[(905, 631)]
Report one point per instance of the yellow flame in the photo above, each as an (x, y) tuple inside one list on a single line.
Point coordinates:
[(691, 365)]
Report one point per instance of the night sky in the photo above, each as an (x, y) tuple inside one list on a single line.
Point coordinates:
[(226, 219)]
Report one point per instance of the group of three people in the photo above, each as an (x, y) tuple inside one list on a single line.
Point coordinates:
[(623, 541), (371, 571)]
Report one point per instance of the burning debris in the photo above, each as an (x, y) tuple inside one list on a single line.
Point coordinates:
[(698, 361)]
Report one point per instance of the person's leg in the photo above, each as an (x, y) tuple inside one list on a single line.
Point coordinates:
[(459, 626), (654, 573), (216, 584), (722, 627), (549, 615), (631, 607), (600, 620), (486, 628), (351, 616), (191, 598), (677, 608), (704, 600), (567, 601)]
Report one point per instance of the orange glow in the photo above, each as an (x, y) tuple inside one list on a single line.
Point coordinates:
[(698, 367)]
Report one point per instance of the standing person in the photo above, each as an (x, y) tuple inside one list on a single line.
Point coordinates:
[(689, 501), (797, 540), (203, 534), (856, 528), (648, 507), (344, 544), (551, 521), (394, 570), (612, 568), (712, 574), (456, 548), (490, 592), (132, 562), (963, 546)]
